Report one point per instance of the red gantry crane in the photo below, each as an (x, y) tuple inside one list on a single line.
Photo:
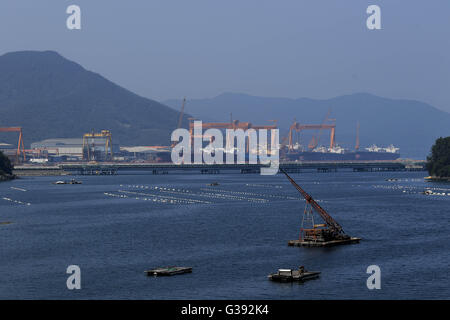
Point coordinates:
[(20, 148), (299, 127), (315, 140)]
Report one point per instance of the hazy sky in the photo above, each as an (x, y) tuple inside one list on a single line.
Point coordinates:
[(292, 48)]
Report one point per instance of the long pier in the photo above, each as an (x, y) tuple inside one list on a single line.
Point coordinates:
[(111, 168)]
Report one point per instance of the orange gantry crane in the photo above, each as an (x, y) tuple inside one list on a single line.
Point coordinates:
[(315, 140), (232, 125), (20, 148), (300, 127)]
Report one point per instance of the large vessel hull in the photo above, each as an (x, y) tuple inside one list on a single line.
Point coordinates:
[(348, 156)]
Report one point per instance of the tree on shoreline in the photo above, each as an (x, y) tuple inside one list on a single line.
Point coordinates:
[(438, 162), (5, 165)]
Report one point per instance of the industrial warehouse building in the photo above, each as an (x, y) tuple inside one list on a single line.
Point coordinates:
[(65, 149), (61, 147)]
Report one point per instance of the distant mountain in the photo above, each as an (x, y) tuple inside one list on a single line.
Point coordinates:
[(410, 125), (52, 97)]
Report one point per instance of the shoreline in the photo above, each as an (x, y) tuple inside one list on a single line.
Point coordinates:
[(7, 177), (40, 173), (437, 179)]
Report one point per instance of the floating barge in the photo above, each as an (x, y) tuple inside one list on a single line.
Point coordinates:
[(304, 243), (312, 234), (72, 181), (289, 275), (168, 271)]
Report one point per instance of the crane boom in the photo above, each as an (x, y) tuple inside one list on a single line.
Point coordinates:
[(331, 223), (180, 119), (357, 137)]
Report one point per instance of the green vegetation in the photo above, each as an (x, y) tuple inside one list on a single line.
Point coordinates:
[(438, 164), (5, 166)]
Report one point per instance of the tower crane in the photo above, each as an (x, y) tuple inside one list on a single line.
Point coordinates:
[(357, 137), (180, 118), (20, 148)]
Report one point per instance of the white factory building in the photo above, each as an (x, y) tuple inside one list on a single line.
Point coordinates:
[(70, 147)]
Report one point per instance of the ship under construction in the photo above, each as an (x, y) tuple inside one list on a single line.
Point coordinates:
[(333, 152)]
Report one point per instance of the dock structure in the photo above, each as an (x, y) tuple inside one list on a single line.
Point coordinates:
[(303, 243), (168, 271), (111, 168)]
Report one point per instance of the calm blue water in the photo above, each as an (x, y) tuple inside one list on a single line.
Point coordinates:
[(233, 235)]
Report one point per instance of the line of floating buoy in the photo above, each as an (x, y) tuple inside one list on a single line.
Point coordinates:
[(231, 197), (416, 190), (263, 185), (430, 192), (213, 194), (18, 189), (164, 199), (115, 195), (17, 201), (251, 194), (158, 188)]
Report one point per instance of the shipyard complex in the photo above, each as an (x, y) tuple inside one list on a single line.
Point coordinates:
[(295, 146)]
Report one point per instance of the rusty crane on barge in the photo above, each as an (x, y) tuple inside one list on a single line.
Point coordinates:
[(318, 235)]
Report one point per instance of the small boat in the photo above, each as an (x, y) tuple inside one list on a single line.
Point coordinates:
[(168, 271), (73, 181), (289, 275), (212, 184)]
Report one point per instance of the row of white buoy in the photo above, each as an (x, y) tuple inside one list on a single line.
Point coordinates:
[(169, 201), (252, 194), (17, 201), (263, 185), (415, 190), (396, 187), (430, 192), (212, 195), (171, 189), (115, 195), (165, 198), (438, 189), (18, 189)]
